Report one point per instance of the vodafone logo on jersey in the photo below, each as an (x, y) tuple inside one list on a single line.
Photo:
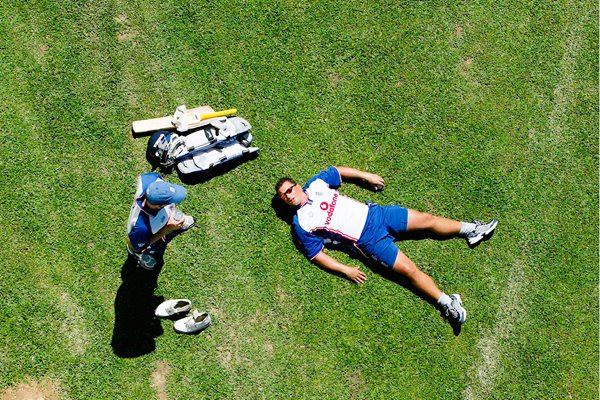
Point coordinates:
[(331, 207)]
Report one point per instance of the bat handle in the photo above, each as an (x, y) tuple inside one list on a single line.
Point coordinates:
[(218, 114)]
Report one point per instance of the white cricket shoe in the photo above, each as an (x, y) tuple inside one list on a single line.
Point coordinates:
[(482, 231), (455, 313), (195, 323), (173, 307), (189, 222)]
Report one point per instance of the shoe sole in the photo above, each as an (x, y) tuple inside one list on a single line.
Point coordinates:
[(191, 332), (484, 235), (188, 227), (195, 331), (464, 314)]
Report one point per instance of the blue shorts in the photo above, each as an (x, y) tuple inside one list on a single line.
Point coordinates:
[(377, 238)]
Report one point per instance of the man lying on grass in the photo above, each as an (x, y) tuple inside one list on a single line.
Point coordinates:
[(324, 216)]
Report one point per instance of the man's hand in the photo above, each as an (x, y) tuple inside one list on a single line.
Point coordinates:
[(330, 263), (174, 224), (356, 275), (375, 180)]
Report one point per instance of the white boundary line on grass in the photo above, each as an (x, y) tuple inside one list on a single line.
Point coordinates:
[(491, 346), (563, 92)]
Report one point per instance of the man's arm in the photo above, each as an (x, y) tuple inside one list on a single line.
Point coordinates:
[(146, 239), (331, 264), (353, 173), (171, 226)]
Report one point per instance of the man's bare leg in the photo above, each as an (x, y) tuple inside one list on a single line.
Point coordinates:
[(420, 280), (474, 232), (451, 306), (418, 221)]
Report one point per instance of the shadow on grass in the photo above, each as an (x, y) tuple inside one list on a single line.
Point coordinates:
[(221, 169), (286, 214), (364, 184), (136, 326), (395, 277), (205, 176), (282, 210)]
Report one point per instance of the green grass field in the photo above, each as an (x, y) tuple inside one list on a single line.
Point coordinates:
[(483, 109)]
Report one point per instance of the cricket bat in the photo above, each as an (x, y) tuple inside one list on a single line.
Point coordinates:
[(182, 120)]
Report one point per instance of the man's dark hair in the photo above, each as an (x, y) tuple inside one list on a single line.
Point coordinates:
[(282, 181)]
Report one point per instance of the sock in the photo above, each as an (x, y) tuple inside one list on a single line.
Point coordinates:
[(466, 227), (444, 300)]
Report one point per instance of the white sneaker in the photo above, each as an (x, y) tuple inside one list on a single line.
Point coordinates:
[(455, 313), (189, 222), (195, 323), (481, 232), (173, 307)]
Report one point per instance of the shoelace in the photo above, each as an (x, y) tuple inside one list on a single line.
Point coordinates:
[(478, 224), (451, 312)]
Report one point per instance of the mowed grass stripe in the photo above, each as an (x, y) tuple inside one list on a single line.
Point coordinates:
[(493, 346), (564, 90)]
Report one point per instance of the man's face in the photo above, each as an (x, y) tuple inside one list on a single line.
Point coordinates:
[(291, 193), (154, 206)]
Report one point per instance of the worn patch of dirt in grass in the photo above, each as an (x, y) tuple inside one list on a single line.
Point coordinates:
[(233, 346), (46, 389), (230, 351), (465, 66), (357, 384), (225, 349), (126, 33), (334, 79), (159, 379), (564, 91), (459, 31), (40, 52), (282, 296), (269, 348)]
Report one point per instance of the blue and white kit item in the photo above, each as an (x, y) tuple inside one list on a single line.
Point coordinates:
[(329, 217), (214, 143), (144, 222)]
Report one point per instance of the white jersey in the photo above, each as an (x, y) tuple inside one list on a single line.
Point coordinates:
[(330, 211)]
